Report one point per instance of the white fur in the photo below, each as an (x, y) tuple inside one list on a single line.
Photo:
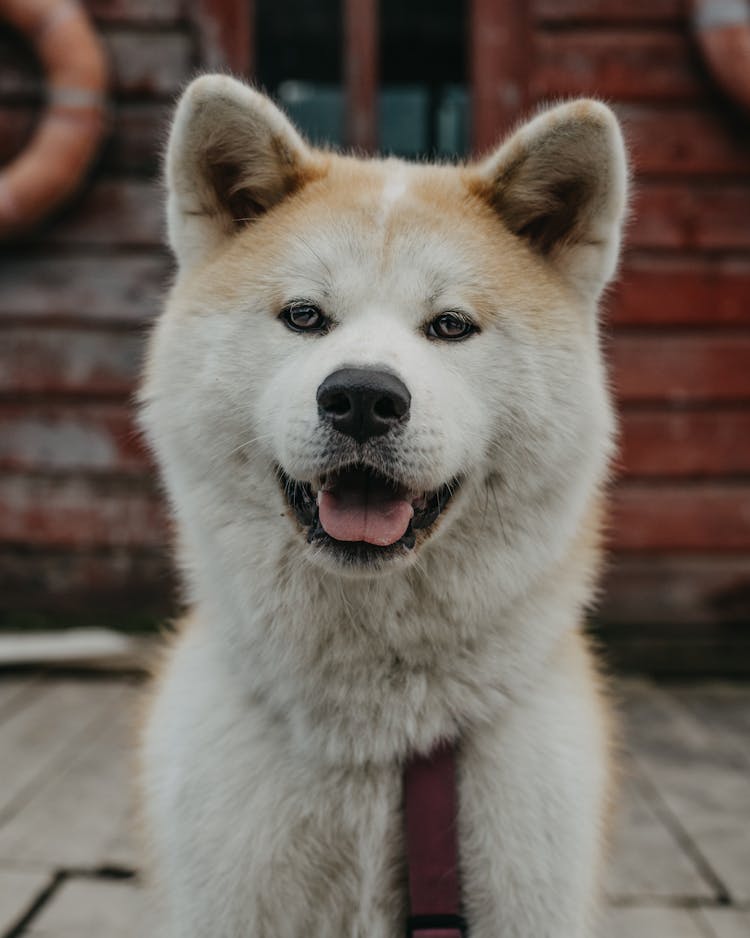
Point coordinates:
[(395, 187), (274, 750)]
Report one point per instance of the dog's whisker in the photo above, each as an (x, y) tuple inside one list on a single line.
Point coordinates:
[(251, 442)]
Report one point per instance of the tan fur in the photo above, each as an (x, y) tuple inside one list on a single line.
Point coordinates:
[(299, 684)]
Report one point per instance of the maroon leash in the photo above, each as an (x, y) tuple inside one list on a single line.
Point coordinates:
[(431, 808)]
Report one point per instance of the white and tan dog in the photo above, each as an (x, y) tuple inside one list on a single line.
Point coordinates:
[(377, 398)]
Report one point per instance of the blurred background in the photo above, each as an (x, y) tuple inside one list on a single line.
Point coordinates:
[(84, 538)]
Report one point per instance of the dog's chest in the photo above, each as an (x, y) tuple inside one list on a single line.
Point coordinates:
[(337, 866)]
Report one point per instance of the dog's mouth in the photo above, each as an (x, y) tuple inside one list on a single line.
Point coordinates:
[(362, 513)]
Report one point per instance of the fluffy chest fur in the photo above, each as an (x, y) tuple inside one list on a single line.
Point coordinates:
[(269, 835)]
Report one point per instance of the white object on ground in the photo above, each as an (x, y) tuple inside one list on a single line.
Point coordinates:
[(67, 646)]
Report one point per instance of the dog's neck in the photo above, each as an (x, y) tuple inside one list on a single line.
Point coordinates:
[(363, 670)]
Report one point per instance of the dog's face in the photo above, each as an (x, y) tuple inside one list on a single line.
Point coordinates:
[(363, 353)]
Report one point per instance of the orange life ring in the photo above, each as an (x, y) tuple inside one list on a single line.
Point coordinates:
[(722, 28), (67, 138)]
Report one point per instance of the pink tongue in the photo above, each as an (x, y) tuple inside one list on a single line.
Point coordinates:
[(374, 518)]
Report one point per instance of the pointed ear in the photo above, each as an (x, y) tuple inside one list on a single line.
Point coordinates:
[(232, 156), (560, 183)]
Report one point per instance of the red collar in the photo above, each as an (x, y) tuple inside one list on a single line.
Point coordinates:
[(431, 809)]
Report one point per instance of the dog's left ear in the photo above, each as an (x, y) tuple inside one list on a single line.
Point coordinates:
[(560, 183)]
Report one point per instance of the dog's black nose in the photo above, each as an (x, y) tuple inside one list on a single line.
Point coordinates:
[(363, 402)]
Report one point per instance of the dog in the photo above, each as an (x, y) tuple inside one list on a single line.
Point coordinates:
[(378, 403)]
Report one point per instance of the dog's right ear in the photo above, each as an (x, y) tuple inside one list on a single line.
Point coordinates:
[(232, 156)]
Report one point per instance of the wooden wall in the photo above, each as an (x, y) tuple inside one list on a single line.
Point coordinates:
[(81, 524), (678, 591), (81, 527)]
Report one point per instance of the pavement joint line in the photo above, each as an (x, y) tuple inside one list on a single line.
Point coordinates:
[(37, 904), (101, 873), (671, 902), (681, 836), (58, 878)]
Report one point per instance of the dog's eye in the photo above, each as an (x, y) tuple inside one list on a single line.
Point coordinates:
[(451, 327), (304, 317)]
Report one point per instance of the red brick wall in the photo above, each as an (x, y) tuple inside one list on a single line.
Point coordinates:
[(80, 524)]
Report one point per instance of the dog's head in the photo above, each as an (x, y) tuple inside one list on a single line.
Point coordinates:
[(369, 357)]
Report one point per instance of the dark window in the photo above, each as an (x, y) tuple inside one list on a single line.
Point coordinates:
[(423, 102)]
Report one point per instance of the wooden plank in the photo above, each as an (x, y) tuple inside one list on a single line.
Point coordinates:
[(115, 586), (725, 923), (650, 923), (40, 739), (633, 65), (690, 216), (126, 213), (80, 513), (667, 654), (143, 63), (682, 517), (69, 361), (679, 592), (141, 11), (52, 438), (609, 11), (690, 290), (139, 137), (226, 34), (81, 816), (94, 908), (701, 783), (668, 443), (647, 862), (116, 290), (361, 71), (500, 44), (89, 578), (681, 368), (18, 891), (683, 140)]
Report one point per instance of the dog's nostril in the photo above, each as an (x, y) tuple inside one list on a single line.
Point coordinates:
[(386, 408), (338, 405)]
